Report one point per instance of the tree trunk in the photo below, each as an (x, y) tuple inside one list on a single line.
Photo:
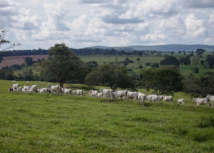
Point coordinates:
[(61, 83)]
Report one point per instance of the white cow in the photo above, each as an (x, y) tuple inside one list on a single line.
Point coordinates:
[(33, 88), (26, 89), (201, 101), (55, 89), (152, 98), (42, 90), (132, 95), (120, 94), (14, 81), (15, 87), (67, 91), (160, 97), (93, 93), (107, 92), (27, 82), (99, 95), (142, 97), (211, 99), (168, 98), (20, 89), (79, 92), (180, 101)]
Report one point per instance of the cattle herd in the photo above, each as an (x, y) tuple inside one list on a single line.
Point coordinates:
[(106, 93)]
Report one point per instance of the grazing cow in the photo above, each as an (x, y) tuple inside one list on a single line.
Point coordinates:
[(201, 101), (107, 92), (10, 89), (180, 101), (20, 89), (15, 87), (55, 89), (67, 91), (132, 95), (26, 89), (93, 93), (14, 81), (142, 97), (120, 94), (160, 97), (211, 99), (152, 98), (168, 98), (33, 88), (79, 92), (42, 90), (99, 95)]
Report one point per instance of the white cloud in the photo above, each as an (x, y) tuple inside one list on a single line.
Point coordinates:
[(86, 23)]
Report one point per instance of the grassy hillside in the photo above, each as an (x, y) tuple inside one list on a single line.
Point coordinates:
[(101, 59), (58, 123)]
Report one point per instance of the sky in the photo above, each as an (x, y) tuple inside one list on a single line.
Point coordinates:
[(85, 23)]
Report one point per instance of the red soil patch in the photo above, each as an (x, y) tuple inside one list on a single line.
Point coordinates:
[(11, 60)]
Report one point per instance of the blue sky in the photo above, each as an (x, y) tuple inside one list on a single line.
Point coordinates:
[(82, 23)]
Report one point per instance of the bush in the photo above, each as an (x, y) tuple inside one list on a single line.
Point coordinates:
[(196, 70)]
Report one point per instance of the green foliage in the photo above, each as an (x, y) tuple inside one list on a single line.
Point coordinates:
[(162, 80), (154, 65), (91, 64), (196, 70), (28, 61), (170, 60), (200, 52), (210, 61), (185, 60), (110, 75), (148, 64), (199, 86), (62, 65)]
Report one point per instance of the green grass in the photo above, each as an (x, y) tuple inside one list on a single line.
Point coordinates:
[(58, 123)]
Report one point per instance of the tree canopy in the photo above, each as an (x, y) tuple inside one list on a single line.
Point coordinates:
[(162, 80), (63, 65), (28, 61), (112, 76), (170, 60)]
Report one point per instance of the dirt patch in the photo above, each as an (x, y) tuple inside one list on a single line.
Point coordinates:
[(109, 101), (11, 60)]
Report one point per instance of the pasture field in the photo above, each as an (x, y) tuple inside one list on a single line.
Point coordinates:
[(31, 122), (101, 59)]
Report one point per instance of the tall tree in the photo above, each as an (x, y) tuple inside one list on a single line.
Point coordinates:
[(110, 75), (200, 52), (162, 80), (28, 61), (63, 65)]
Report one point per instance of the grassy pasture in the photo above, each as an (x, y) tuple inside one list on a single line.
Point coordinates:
[(101, 59), (58, 123)]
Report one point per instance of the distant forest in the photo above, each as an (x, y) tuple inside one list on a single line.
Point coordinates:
[(82, 52)]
